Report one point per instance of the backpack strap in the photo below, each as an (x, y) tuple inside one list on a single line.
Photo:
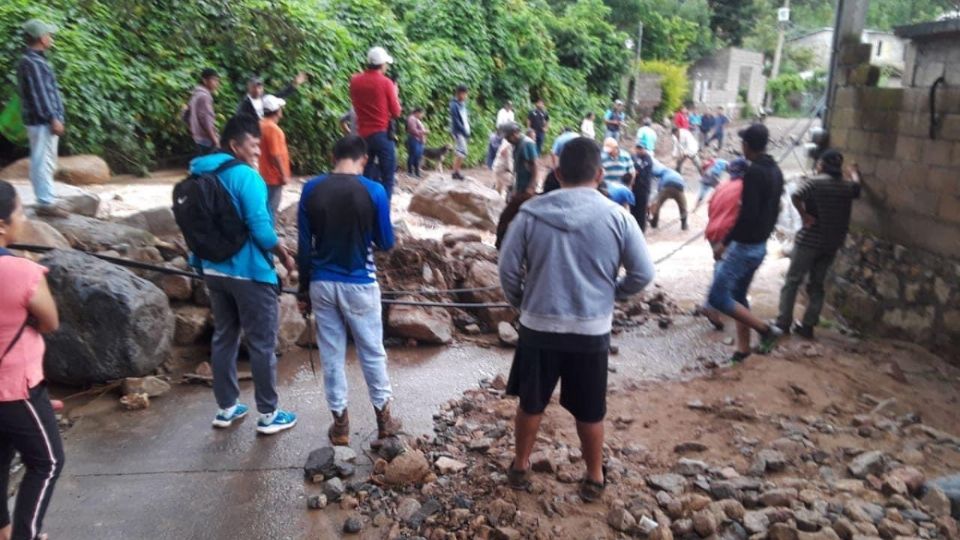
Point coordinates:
[(227, 165), (6, 253)]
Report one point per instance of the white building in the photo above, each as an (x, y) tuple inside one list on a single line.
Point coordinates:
[(888, 48)]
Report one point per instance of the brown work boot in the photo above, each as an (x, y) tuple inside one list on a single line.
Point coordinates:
[(339, 431), (387, 425)]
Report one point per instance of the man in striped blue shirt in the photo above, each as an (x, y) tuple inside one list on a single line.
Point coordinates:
[(617, 165), (42, 113)]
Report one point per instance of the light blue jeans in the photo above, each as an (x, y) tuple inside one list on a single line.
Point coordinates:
[(43, 162), (339, 307)]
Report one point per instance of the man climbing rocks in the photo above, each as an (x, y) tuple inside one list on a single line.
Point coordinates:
[(252, 103), (342, 218), (459, 129), (559, 264), (376, 104), (539, 121), (525, 156)]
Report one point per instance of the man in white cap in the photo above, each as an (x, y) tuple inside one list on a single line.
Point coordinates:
[(613, 120), (274, 157), (252, 103), (42, 109), (376, 104)]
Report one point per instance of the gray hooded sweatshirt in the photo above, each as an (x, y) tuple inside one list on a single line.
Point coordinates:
[(561, 257)]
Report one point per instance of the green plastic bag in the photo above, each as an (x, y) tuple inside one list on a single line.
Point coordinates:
[(11, 122)]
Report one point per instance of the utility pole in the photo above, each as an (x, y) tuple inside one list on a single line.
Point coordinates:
[(634, 95), (781, 37)]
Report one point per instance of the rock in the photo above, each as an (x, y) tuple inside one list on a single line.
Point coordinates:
[(479, 445), (157, 221), (82, 170), (353, 525), (429, 508), (621, 520), (682, 527), (177, 287), (191, 324), (690, 447), (844, 528), (409, 467), (778, 497), (344, 454), (96, 235), (912, 477), (501, 512), (825, 533), (320, 465), (732, 531), (74, 199), (690, 467), (131, 334), (669, 482), (448, 466), (349, 502), (345, 470), (890, 529), (771, 460), (333, 489), (483, 274), (867, 463), (893, 485), (508, 334), (135, 402), (292, 323), (151, 386), (41, 233), (782, 531), (951, 487), (936, 501), (451, 239), (543, 461), (732, 508), (506, 533), (463, 204), (317, 502), (704, 523), (390, 448), (426, 325), (662, 532), (756, 522), (407, 507)]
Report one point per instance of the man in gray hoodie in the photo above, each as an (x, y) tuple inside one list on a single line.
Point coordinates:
[(559, 264)]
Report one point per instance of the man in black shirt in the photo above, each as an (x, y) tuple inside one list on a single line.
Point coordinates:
[(743, 250), (824, 202), (643, 165), (539, 121)]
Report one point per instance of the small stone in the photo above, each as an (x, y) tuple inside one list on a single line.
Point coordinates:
[(381, 519), (409, 467), (669, 482), (704, 523), (508, 334), (472, 329), (333, 489), (691, 467), (344, 454), (429, 508), (151, 386), (778, 497), (449, 466), (756, 522), (177, 287), (389, 448), (690, 447), (844, 528), (479, 445), (543, 462), (621, 520), (682, 527), (782, 531), (936, 501), (867, 463), (890, 529), (407, 507), (135, 402), (912, 477), (352, 525), (506, 533), (893, 486), (345, 470), (317, 502), (647, 525), (349, 502), (773, 460)]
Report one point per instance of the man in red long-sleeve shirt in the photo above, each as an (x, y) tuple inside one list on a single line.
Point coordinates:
[(376, 104), (681, 120)]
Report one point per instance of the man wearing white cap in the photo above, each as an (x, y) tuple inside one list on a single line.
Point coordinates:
[(376, 104), (274, 157), (42, 113)]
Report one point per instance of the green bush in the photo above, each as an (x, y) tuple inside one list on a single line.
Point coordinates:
[(127, 67), (786, 92), (674, 83)]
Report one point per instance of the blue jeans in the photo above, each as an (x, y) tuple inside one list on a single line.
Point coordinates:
[(733, 276), (541, 135), (339, 307), (381, 160), (240, 304), (43, 162), (414, 154)]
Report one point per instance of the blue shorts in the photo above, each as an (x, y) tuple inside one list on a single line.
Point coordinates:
[(733, 276)]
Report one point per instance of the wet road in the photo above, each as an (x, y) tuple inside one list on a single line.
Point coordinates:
[(163, 473)]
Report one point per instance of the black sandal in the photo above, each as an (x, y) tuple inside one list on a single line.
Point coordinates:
[(591, 491), (518, 480)]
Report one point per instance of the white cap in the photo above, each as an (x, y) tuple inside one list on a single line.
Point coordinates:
[(272, 103), (378, 56)]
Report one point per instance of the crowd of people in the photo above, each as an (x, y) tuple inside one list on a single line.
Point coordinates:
[(567, 253)]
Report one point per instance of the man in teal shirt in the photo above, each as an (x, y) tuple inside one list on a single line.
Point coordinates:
[(524, 159)]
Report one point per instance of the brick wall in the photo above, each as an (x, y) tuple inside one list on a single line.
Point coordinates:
[(899, 274)]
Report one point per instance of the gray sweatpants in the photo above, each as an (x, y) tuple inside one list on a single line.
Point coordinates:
[(814, 265), (253, 307)]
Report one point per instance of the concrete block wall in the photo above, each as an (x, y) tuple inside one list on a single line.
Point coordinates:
[(899, 274)]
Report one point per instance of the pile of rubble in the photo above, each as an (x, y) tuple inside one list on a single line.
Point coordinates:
[(809, 478)]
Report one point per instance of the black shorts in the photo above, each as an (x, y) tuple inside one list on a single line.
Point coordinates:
[(578, 362)]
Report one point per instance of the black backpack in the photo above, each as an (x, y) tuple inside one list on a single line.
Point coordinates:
[(207, 217)]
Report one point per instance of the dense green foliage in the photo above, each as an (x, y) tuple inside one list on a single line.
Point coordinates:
[(675, 85), (125, 78)]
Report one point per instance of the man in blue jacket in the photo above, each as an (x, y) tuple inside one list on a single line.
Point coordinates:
[(670, 185), (342, 217), (460, 129), (560, 264), (243, 289)]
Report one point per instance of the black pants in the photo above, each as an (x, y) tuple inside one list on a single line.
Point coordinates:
[(639, 210), (29, 427)]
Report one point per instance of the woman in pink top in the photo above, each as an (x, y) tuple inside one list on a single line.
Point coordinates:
[(27, 422), (722, 215)]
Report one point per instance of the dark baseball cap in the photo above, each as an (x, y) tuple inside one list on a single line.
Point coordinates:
[(756, 136), (832, 161)]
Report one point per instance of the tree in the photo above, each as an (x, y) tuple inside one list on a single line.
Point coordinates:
[(732, 20), (587, 42)]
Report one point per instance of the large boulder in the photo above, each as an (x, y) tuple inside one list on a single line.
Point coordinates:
[(83, 170), (292, 323), (73, 199), (427, 325), (18, 170), (464, 204), (39, 233), (485, 276), (113, 324), (94, 234), (158, 221)]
